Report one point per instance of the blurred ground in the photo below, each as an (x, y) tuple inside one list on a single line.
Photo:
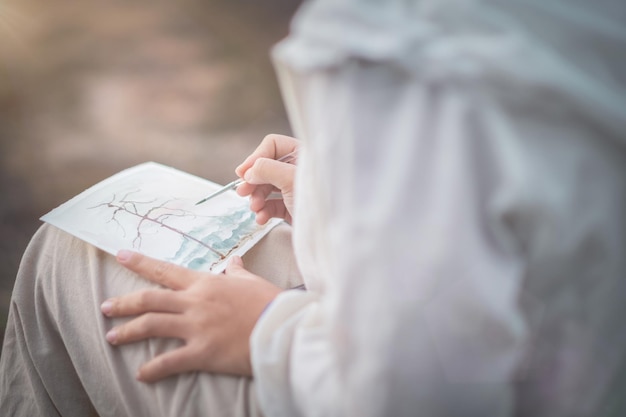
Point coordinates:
[(90, 88)]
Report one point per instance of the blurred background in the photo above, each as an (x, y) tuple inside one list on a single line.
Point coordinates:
[(88, 88)]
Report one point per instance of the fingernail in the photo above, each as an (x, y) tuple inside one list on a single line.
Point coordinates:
[(124, 255), (248, 175), (111, 336), (106, 307)]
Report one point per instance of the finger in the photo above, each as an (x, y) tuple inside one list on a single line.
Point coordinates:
[(146, 326), (142, 302), (183, 359), (235, 263), (269, 171), (272, 146), (232, 263), (259, 197), (272, 208), (161, 272), (245, 189), (236, 268)]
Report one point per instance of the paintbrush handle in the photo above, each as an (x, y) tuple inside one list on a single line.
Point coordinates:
[(287, 158)]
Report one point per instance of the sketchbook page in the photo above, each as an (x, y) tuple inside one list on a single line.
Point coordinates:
[(151, 209)]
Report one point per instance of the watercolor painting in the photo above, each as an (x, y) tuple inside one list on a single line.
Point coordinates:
[(151, 209)]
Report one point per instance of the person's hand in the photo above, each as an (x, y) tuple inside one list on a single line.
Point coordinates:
[(213, 314), (264, 175)]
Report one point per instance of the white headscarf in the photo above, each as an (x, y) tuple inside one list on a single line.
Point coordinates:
[(455, 39)]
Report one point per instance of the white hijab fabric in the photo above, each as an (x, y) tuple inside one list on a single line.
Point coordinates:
[(460, 211)]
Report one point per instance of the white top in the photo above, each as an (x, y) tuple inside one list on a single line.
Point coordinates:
[(460, 219)]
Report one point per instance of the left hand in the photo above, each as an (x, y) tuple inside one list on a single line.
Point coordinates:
[(213, 314)]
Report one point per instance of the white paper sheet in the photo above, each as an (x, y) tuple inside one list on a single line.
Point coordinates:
[(151, 209)]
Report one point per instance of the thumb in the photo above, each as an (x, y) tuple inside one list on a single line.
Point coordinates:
[(236, 268), (235, 264)]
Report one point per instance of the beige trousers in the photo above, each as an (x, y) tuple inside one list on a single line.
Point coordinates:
[(56, 361)]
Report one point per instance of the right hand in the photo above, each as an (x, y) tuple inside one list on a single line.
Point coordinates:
[(264, 174)]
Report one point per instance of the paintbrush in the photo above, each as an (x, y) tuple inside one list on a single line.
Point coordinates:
[(288, 158)]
